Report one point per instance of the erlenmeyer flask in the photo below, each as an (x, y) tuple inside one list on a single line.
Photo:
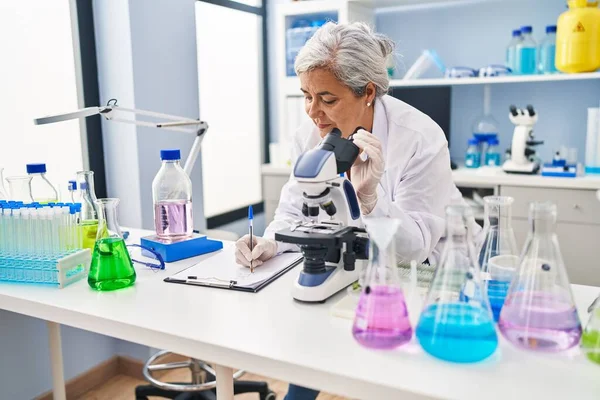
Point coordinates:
[(590, 341), (3, 193), (499, 255), (456, 323), (89, 213), (381, 320), (539, 312), (20, 188), (111, 266)]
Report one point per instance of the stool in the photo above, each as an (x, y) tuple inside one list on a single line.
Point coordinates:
[(202, 386)]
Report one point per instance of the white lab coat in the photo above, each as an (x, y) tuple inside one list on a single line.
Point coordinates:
[(416, 185)]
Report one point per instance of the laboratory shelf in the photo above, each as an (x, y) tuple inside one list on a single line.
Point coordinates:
[(493, 80), (292, 84)]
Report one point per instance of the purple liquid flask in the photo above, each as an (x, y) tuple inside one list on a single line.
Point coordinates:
[(172, 196), (539, 312), (381, 320)]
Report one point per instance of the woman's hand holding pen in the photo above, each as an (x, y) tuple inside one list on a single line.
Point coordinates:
[(262, 250)]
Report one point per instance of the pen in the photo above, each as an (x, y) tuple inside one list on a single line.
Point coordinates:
[(250, 218)]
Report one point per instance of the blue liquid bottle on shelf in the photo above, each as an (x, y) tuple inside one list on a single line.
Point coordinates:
[(492, 154), (511, 50), (548, 51), (526, 52), (473, 156)]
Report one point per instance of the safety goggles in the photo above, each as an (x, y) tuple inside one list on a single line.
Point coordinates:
[(157, 262)]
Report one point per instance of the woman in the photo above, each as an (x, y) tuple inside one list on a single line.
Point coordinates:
[(406, 174)]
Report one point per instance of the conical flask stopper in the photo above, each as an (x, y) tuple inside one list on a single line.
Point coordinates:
[(539, 312), (456, 323), (381, 320)]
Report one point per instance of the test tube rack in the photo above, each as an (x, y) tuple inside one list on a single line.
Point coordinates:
[(60, 271)]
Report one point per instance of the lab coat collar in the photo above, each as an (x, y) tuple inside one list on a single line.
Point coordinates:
[(380, 124)]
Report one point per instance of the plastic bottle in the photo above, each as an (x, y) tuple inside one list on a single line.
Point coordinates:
[(578, 38), (526, 52), (172, 197), (473, 157), (492, 155), (42, 190), (511, 50), (547, 51)]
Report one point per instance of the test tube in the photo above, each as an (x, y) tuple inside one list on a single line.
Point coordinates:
[(25, 233), (10, 235), (34, 225), (2, 235)]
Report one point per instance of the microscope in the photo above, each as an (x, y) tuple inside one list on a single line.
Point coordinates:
[(332, 237), (522, 155)]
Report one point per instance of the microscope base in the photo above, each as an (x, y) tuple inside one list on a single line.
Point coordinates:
[(336, 281), (529, 168)]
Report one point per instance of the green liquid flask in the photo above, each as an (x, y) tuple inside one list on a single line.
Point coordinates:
[(111, 266), (590, 340), (88, 224)]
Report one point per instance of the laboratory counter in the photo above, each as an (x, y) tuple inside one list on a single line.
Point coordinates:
[(271, 334)]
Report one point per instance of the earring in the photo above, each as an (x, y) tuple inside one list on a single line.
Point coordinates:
[(368, 104)]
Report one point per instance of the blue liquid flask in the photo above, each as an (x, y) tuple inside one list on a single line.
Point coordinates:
[(511, 50), (456, 323), (548, 51), (499, 255), (473, 156), (526, 53)]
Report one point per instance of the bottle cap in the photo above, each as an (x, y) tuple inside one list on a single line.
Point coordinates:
[(527, 29), (493, 142), (72, 185), (473, 141), (170, 154), (551, 29), (36, 168), (516, 32)]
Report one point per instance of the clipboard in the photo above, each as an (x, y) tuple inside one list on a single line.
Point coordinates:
[(221, 271)]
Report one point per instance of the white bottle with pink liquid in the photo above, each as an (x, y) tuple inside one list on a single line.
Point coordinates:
[(172, 197)]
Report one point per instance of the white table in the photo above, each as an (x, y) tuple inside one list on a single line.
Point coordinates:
[(271, 334)]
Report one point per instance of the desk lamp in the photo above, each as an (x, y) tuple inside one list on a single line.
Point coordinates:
[(169, 250)]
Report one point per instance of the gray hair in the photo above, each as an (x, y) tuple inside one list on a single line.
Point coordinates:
[(352, 52)]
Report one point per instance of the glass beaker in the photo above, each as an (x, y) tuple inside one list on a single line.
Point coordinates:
[(111, 266), (590, 340), (381, 319), (3, 193), (20, 188), (499, 256), (89, 212), (456, 323), (539, 312)]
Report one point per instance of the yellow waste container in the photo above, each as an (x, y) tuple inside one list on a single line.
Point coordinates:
[(578, 38)]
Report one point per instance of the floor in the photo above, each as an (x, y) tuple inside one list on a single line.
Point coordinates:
[(122, 387)]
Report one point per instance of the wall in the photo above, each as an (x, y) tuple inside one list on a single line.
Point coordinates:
[(146, 59), (475, 35)]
